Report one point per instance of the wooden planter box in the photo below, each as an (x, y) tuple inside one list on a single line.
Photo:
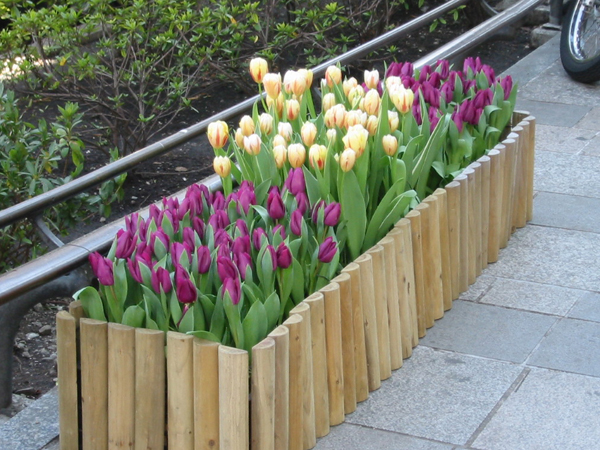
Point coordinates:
[(118, 388)]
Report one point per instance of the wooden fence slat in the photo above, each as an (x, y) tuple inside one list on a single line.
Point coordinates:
[(431, 277), (415, 219), (473, 233), (281, 336), (485, 207), (234, 426), (94, 384), (453, 203), (360, 353), (150, 384), (523, 171), (263, 395), (68, 402), (296, 402), (530, 151), (476, 208), (508, 190), (408, 277), (495, 208), (206, 394), (335, 362), (463, 272), (180, 382)]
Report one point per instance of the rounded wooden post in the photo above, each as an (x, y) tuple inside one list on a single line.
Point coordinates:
[(296, 405), (431, 276), (335, 363), (442, 198), (365, 262), (453, 200), (206, 394), (76, 310), (263, 395), (180, 382), (66, 356), (476, 208), (281, 337), (308, 400), (393, 303), (463, 269), (234, 426), (530, 152), (522, 174), (121, 386), (343, 280), (508, 190), (94, 383), (472, 234), (414, 217), (408, 285), (485, 207), (149, 389), (319, 363), (495, 208), (360, 352)]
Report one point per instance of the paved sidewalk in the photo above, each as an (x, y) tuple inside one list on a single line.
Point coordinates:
[(515, 365)]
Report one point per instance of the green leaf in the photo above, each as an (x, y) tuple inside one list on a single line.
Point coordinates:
[(187, 322), (272, 305), (255, 326), (91, 302), (234, 321), (217, 322), (134, 316), (205, 335), (354, 213)]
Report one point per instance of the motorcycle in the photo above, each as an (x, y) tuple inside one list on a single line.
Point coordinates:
[(580, 41)]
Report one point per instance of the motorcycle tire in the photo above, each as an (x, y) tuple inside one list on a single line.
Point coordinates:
[(580, 41)]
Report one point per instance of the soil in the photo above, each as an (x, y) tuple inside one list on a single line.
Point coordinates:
[(35, 347)]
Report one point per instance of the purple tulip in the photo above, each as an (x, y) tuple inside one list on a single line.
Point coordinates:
[(232, 287), (275, 206), (416, 110), (204, 259), (489, 73), (218, 201), (332, 214), (457, 118), (507, 84), (241, 245), (295, 182), (219, 219), (226, 268), (424, 73), (194, 196), (154, 212), (243, 261), (283, 256), (242, 227), (327, 250), (183, 209), (134, 269), (159, 241), (271, 251), (296, 222), (170, 204), (472, 63), (259, 236), (444, 67), (171, 217), (161, 280), (189, 237), (198, 225), (131, 223), (126, 243), (279, 229), (184, 287), (315, 212), (143, 252), (435, 79), (246, 196), (178, 250), (430, 94), (103, 269), (302, 202), (223, 239), (434, 117), (483, 98), (447, 91)]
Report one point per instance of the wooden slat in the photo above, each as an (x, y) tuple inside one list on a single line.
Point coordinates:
[(296, 398), (495, 209), (453, 203), (234, 422), (66, 354), (408, 285), (180, 381), (414, 217), (206, 394), (281, 336), (263, 395), (530, 151)]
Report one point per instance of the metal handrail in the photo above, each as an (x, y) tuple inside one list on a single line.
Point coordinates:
[(72, 255)]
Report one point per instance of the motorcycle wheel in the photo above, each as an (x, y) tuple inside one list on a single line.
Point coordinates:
[(580, 41)]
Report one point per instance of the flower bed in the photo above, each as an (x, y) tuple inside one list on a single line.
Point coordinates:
[(330, 350)]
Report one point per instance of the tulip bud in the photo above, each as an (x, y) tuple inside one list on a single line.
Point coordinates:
[(184, 287), (327, 250), (247, 125), (331, 215), (390, 145), (126, 243), (252, 144), (308, 133), (331, 135), (239, 138), (402, 99), (295, 182), (283, 256), (218, 133), (392, 81), (317, 156), (232, 287), (296, 221), (103, 269), (280, 155), (226, 268), (258, 69), (294, 83), (356, 117), (333, 75), (347, 160), (328, 101), (356, 139), (348, 85), (285, 129), (275, 206), (272, 84), (372, 79), (308, 76), (372, 124), (161, 281), (259, 236), (335, 116), (265, 122), (222, 166), (302, 202), (372, 102), (296, 155), (204, 259), (356, 94), (393, 121), (292, 109), (277, 104)]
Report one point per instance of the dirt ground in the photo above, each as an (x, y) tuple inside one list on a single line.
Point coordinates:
[(35, 347)]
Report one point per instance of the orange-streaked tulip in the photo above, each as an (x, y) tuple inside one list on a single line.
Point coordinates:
[(347, 160), (372, 124), (296, 155), (348, 84), (265, 122), (372, 78), (279, 140), (356, 117), (222, 166), (308, 133), (239, 138), (393, 120), (331, 135), (356, 94), (294, 83), (402, 98), (258, 69), (335, 116), (390, 82), (372, 102), (308, 76), (276, 103), (247, 125), (292, 109), (328, 101), (317, 156), (285, 130), (280, 155), (218, 133), (356, 139), (333, 75), (390, 145), (272, 84), (252, 144)]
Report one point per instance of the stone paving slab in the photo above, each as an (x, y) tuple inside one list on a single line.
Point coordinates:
[(552, 256), (587, 307), (567, 211), (533, 64), (479, 288), (593, 147), (488, 331), (591, 121), (550, 410), (552, 138), (536, 297), (554, 87), (549, 113), (567, 174), (437, 395), (572, 346), (355, 437)]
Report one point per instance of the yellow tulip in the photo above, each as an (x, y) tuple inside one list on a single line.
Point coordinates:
[(252, 144), (333, 75), (372, 124), (296, 155), (308, 132), (292, 109), (218, 133), (285, 130), (372, 102), (328, 101), (393, 120), (280, 155), (247, 125), (317, 156), (258, 69), (390, 145), (356, 139), (347, 160), (272, 84), (372, 78), (222, 166), (402, 99), (265, 122)]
